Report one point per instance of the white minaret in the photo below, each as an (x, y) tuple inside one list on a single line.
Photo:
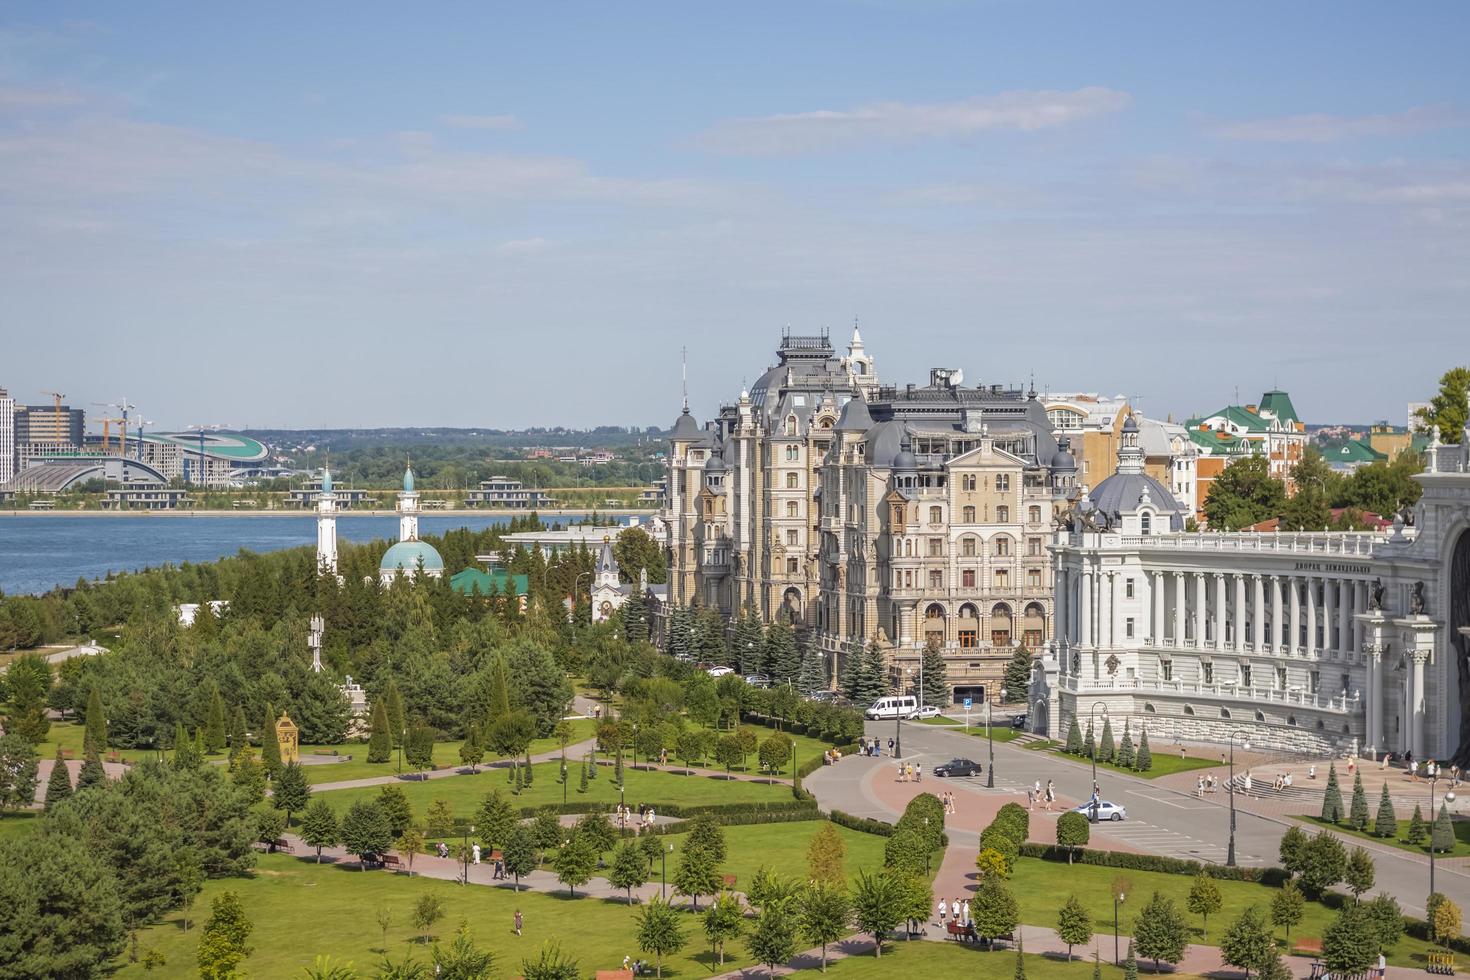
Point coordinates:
[(326, 525), (408, 508)]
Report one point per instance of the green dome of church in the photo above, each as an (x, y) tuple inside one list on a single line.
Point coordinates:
[(406, 555)]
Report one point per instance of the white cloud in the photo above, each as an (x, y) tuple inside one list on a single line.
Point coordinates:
[(1326, 128), (886, 122), (503, 121)]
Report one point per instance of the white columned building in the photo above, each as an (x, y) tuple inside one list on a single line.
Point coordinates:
[(1324, 642)]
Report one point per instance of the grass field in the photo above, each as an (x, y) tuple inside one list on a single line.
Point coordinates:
[(19, 824), (941, 961), (445, 754), (1042, 888), (782, 847), (1164, 763), (464, 793), (1461, 828), (301, 910)]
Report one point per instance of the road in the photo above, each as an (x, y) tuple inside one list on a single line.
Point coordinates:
[(1163, 820)]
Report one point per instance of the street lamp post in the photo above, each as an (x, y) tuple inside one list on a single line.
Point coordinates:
[(990, 733), (663, 868), (465, 853), (1449, 797), (897, 730), (1118, 899), (1092, 723), (1230, 785)]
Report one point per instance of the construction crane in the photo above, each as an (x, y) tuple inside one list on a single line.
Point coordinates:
[(57, 396), (140, 422), (107, 422), (201, 467), (123, 407)]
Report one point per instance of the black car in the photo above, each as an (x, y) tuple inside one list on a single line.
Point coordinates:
[(958, 767), (1018, 722)]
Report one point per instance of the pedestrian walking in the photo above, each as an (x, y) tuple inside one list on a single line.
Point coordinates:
[(1030, 798), (1051, 794), (890, 746), (943, 909), (519, 922), (476, 850), (965, 914), (1247, 784), (1199, 786), (918, 773)]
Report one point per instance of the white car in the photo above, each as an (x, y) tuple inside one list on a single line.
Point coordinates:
[(927, 711), (1105, 810), (719, 671)]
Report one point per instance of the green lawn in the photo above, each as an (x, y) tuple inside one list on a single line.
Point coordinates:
[(1042, 888), (18, 824), (941, 961), (301, 910), (1165, 764), (782, 847), (464, 793), (1461, 828), (445, 754)]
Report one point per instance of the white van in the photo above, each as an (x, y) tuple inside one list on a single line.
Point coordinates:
[(895, 706)]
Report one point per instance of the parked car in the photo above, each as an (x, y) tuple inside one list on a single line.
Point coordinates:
[(958, 767), (719, 671), (1018, 722), (757, 680), (926, 711), (1104, 811), (822, 697)]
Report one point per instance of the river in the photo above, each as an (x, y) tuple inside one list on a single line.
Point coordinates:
[(39, 552)]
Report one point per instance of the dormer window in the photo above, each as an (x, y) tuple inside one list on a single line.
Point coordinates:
[(1146, 523), (791, 425)]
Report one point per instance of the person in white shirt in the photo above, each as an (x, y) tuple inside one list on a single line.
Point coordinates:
[(476, 850), (943, 911)]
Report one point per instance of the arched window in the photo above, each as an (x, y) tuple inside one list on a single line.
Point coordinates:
[(1033, 626), (1146, 522), (1224, 712), (967, 546), (936, 515), (1260, 715), (934, 624), (1000, 625), (1189, 709), (791, 479), (1291, 720), (1148, 708), (968, 514), (1034, 515), (1003, 547), (1002, 514), (791, 425)]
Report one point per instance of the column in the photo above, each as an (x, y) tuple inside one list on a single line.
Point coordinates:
[(1199, 609), (1258, 613), (1179, 609), (1360, 604), (1219, 616), (1156, 595), (1084, 619), (1416, 705), (1311, 615), (1375, 696), (1060, 626), (1345, 611), (1294, 621), (1239, 612), (1277, 624)]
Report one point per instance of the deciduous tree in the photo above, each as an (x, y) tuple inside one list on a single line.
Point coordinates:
[(659, 932)]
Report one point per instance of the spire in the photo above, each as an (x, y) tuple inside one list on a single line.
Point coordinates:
[(684, 370), (857, 338), (327, 478), (408, 476)]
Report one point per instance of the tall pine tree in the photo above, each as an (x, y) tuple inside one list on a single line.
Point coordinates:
[(94, 739), (397, 719), (782, 662), (813, 676), (380, 741), (214, 721), (270, 749), (58, 786), (935, 687)]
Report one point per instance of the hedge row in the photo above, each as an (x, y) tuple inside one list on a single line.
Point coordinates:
[(1154, 862), (742, 820), (807, 810), (863, 825)]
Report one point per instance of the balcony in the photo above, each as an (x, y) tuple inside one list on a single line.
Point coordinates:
[(1357, 544)]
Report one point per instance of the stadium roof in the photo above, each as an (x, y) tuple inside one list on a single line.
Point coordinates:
[(220, 445)]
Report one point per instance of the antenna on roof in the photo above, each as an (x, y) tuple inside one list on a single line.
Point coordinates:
[(684, 371)]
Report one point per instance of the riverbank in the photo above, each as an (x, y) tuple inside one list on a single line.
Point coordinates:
[(311, 513)]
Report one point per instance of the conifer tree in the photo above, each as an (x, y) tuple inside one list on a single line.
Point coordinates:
[(214, 723), (1358, 814), (1416, 831), (58, 786), (874, 684), (1442, 838), (239, 738), (397, 719), (92, 773), (681, 633), (852, 671), (1386, 823), (185, 756), (1332, 797), (935, 683), (781, 660), (635, 616), (1145, 759), (813, 676), (1074, 738), (380, 742), (1089, 742), (748, 643), (1126, 754), (1105, 747), (95, 736), (270, 749)]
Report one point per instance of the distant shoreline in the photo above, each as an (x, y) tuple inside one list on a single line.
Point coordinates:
[(311, 513)]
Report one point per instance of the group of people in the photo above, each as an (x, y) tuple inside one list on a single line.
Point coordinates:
[(1035, 794), (831, 757), (959, 910), (910, 772), (1208, 783), (1429, 769), (624, 819), (947, 798), (873, 747)]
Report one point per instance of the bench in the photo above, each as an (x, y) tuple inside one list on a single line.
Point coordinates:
[(282, 844), (959, 933), (1307, 946), (391, 861)]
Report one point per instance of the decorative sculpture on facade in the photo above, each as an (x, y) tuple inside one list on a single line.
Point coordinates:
[(1417, 605), (1375, 596)]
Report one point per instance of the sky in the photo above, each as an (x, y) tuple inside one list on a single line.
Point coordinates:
[(504, 215)]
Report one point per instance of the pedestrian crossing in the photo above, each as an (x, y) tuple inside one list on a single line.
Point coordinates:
[(1172, 843)]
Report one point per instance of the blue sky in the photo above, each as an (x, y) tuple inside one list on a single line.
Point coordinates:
[(502, 215)]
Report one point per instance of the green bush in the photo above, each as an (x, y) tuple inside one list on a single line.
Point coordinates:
[(863, 825), (1154, 862)]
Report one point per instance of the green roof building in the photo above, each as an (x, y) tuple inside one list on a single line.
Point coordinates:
[(473, 581)]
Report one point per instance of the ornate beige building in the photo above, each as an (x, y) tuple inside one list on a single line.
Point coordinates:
[(865, 512)]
